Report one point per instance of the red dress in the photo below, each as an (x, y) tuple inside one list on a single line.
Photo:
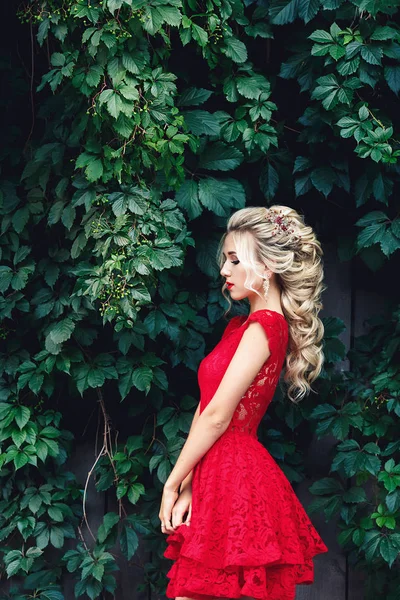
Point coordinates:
[(249, 534)]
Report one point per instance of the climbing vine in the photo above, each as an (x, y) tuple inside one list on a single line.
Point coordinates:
[(132, 129)]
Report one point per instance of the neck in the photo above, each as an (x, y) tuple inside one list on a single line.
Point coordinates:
[(273, 302)]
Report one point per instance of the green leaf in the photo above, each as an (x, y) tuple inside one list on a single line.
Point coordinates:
[(94, 170), (129, 542), (36, 382), (269, 181), (355, 495), (220, 157), (20, 460), (98, 572), (43, 31), (337, 52), (372, 54), (376, 216), (385, 33), (62, 331), (20, 218), (322, 179), (57, 59), (363, 113), (259, 29), (389, 243), (170, 15), (202, 122), (6, 276), (18, 437), (321, 37), (68, 216), (235, 49), (392, 76), (283, 11), (55, 212), (55, 514), (199, 35), (22, 416), (142, 378), (252, 87), (372, 234), (193, 97), (113, 102), (220, 195), (153, 20), (308, 9), (50, 432), (395, 227), (114, 5), (326, 485), (133, 62), (109, 521), (57, 537), (135, 491), (187, 198), (389, 552), (13, 567)]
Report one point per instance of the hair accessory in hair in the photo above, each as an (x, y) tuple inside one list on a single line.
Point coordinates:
[(282, 224)]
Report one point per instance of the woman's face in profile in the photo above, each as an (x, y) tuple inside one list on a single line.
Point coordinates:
[(234, 273)]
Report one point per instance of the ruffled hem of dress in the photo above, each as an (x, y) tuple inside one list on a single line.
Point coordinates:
[(185, 542), (274, 579), (264, 582)]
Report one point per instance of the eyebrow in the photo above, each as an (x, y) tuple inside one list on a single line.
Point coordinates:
[(230, 253)]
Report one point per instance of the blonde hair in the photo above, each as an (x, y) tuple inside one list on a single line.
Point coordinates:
[(298, 266)]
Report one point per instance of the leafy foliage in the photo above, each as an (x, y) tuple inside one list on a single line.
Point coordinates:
[(360, 408), (152, 122)]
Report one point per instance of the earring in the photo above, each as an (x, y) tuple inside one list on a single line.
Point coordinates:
[(266, 287)]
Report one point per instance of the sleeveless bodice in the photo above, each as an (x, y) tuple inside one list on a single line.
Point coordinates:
[(255, 401)]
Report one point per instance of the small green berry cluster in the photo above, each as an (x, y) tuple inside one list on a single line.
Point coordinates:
[(380, 400), (101, 200), (91, 111), (144, 108), (27, 15), (98, 226), (217, 34), (112, 294)]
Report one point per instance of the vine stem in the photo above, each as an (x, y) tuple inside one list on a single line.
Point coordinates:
[(84, 518), (106, 450), (107, 445)]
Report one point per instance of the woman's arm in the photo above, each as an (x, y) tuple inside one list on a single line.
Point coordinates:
[(248, 359), (188, 480)]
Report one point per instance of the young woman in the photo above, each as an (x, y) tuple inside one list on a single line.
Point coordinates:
[(246, 534)]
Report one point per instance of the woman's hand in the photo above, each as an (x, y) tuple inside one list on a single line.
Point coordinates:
[(181, 506), (168, 500)]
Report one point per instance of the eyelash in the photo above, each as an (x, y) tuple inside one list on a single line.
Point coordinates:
[(235, 262)]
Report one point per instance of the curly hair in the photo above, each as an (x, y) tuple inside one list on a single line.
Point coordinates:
[(296, 259)]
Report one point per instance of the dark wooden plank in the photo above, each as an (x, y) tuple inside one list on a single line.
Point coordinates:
[(330, 567), (337, 297), (131, 573), (366, 304)]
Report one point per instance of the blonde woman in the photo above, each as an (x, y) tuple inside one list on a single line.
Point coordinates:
[(246, 535)]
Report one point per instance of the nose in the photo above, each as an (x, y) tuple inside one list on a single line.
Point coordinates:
[(224, 270)]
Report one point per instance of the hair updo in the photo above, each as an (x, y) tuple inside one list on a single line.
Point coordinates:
[(291, 250)]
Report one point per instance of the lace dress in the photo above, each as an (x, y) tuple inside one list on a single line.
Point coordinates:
[(249, 534)]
